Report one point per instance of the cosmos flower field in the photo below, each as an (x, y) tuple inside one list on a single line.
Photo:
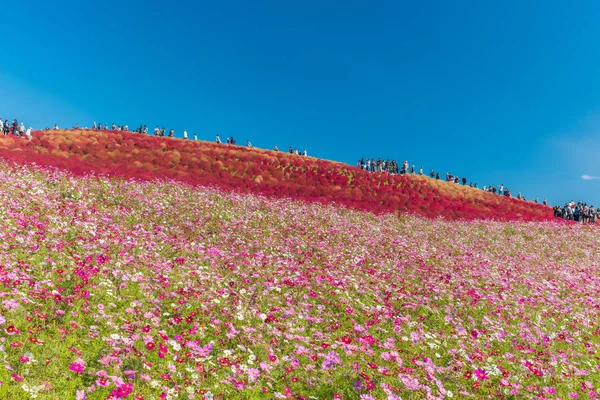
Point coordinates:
[(117, 288)]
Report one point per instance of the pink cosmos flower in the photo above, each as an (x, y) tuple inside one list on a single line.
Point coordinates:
[(253, 374)]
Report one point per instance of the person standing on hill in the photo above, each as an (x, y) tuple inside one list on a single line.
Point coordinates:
[(185, 134), (421, 170), (172, 133), (195, 136), (545, 202), (218, 139), (304, 153), (437, 175), (464, 181)]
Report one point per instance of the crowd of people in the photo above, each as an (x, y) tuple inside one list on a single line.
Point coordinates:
[(392, 167), (15, 128), (162, 132), (578, 212)]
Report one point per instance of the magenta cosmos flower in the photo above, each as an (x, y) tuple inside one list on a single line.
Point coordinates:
[(77, 368), (481, 374)]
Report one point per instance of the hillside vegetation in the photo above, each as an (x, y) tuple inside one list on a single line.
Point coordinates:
[(270, 173)]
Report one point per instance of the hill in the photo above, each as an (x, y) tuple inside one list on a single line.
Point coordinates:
[(115, 288), (270, 173)]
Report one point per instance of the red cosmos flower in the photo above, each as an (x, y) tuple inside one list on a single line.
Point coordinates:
[(346, 339), (16, 344), (325, 345), (102, 382), (146, 329), (24, 359), (272, 358), (468, 374), (11, 330), (77, 368), (150, 346)]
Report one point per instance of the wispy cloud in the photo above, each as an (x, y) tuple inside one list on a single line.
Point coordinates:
[(587, 177)]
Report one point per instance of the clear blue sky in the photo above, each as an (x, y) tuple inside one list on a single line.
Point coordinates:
[(501, 92)]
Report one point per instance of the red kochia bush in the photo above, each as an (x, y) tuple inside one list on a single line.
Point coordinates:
[(262, 171)]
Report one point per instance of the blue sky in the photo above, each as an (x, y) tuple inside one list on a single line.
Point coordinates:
[(501, 92)]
